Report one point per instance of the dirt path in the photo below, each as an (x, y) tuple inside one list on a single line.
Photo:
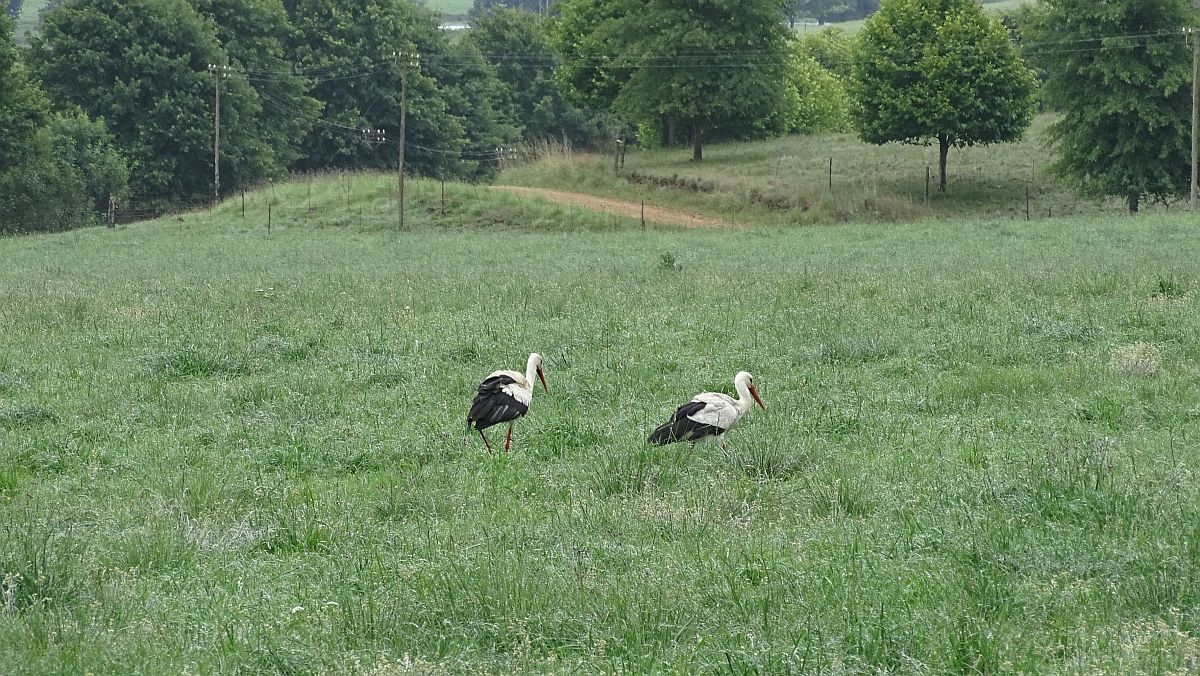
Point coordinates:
[(612, 206)]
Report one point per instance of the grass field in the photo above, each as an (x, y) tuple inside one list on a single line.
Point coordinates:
[(786, 181), (223, 450), (857, 24)]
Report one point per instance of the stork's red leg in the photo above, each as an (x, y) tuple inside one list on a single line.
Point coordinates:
[(508, 440), (485, 441)]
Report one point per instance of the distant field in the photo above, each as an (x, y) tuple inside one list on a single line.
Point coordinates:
[(857, 24), (786, 181), (228, 451)]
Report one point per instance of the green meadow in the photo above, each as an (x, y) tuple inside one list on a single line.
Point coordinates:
[(786, 182), (224, 450)]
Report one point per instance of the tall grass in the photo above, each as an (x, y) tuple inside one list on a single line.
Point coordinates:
[(225, 450)]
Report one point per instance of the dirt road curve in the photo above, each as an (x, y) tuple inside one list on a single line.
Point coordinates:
[(630, 209)]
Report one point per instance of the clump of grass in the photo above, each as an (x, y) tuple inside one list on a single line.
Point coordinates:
[(1137, 359), (840, 497), (25, 416), (769, 462), (35, 573), (668, 263), (194, 362), (674, 181), (1171, 286)]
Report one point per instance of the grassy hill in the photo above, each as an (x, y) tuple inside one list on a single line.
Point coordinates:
[(786, 181), (223, 449)]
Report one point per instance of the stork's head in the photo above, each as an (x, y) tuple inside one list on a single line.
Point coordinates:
[(744, 380), (535, 360)]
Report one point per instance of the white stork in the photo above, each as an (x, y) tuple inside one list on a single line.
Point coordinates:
[(709, 414), (504, 396)]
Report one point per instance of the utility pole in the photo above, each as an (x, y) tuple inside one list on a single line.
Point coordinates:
[(1195, 39), (218, 73), (404, 61)]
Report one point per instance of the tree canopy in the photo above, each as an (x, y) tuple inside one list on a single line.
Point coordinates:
[(1125, 99), (939, 70), (517, 45), (40, 189), (719, 69), (142, 66)]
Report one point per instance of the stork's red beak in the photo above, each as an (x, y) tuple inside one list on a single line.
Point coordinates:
[(542, 377), (754, 393)]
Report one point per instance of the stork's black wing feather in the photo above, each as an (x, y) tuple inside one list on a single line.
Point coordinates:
[(682, 428), (493, 406)]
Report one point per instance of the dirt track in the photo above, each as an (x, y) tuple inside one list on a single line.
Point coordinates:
[(612, 206)]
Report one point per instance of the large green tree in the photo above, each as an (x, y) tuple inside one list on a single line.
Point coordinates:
[(716, 66), (348, 54), (939, 71), (38, 189), (255, 36), (24, 109), (1121, 81), (141, 65), (516, 43)]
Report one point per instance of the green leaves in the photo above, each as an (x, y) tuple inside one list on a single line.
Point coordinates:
[(939, 69), (719, 68), (1121, 81)]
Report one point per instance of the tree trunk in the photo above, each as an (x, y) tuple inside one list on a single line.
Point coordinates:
[(1134, 202), (697, 151), (670, 131), (943, 151)]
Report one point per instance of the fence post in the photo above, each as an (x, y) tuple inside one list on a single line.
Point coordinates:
[(1027, 202), (927, 184), (831, 173), (268, 218), (243, 202)]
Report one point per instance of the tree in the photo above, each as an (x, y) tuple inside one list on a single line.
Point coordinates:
[(831, 47), (817, 99), (141, 65), (939, 70), (38, 191), (24, 108), (359, 82), (717, 66), (516, 44), (87, 146), (265, 143), (481, 100), (1123, 94)]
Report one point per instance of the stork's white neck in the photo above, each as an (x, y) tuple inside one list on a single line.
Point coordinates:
[(531, 368), (744, 402)]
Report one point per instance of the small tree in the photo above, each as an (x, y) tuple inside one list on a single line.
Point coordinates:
[(1124, 96), (939, 70), (719, 69)]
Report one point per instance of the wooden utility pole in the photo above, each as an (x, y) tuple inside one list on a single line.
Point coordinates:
[(404, 61), (218, 73)]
